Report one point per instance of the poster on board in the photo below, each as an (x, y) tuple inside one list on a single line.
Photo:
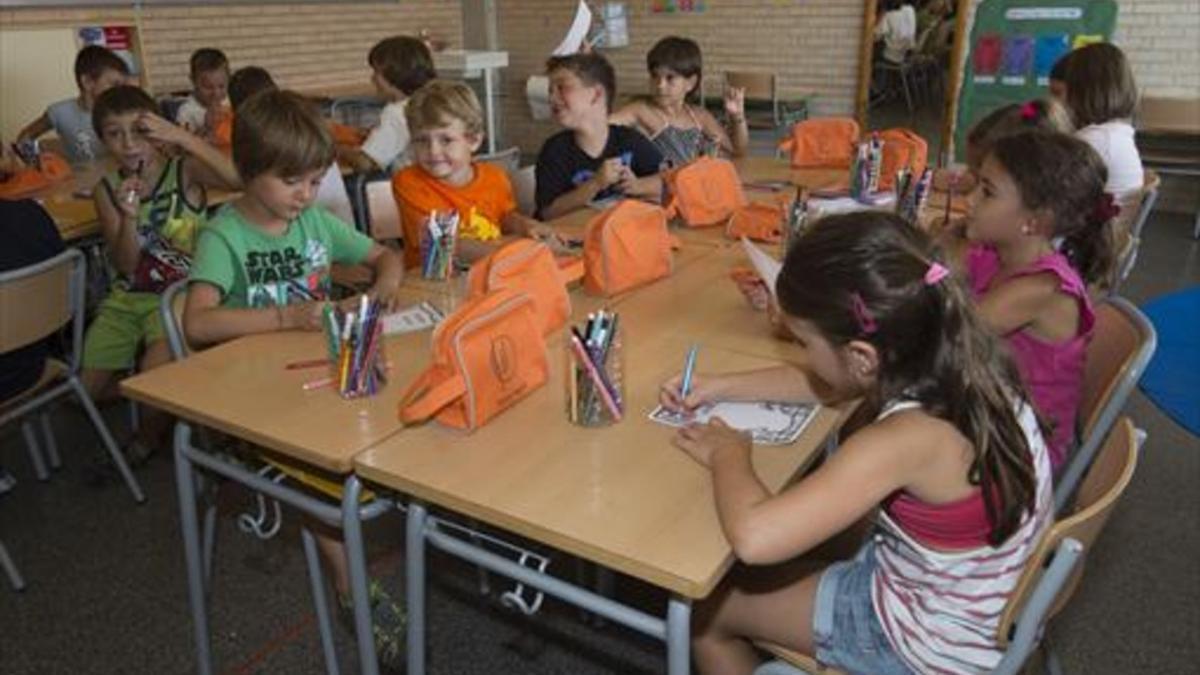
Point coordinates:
[(1014, 44)]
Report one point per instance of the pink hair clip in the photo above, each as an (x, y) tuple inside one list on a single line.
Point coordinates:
[(866, 322), (935, 273), (1029, 111)]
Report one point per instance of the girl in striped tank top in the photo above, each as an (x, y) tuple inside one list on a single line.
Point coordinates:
[(943, 459)]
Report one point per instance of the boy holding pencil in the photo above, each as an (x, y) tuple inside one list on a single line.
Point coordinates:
[(263, 264)]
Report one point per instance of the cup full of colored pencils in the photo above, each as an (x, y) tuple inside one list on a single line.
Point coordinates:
[(439, 235), (595, 384), (355, 343)]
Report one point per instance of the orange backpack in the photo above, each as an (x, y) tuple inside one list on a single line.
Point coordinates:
[(706, 191), (31, 179), (824, 143), (901, 148), (487, 355), (760, 221), (530, 266), (624, 247)]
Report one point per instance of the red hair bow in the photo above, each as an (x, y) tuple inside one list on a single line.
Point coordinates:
[(1106, 209)]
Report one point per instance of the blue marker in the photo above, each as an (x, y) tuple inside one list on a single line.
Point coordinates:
[(689, 365)]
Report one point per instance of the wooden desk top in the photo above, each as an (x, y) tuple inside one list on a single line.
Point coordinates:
[(621, 496), (243, 388), (760, 169), (1169, 116)]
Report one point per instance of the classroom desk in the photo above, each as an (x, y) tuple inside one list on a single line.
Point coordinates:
[(242, 388), (1172, 116), (621, 497), (764, 170)]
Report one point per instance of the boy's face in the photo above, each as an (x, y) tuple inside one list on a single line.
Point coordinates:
[(125, 138), (211, 87), (445, 151), (284, 197), (107, 79), (571, 101)]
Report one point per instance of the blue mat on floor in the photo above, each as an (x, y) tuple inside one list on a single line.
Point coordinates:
[(1172, 379)]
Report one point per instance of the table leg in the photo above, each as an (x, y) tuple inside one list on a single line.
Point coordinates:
[(189, 525), (414, 581), (316, 581), (489, 95), (356, 560), (679, 643)]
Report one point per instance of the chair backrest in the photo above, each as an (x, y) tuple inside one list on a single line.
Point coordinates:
[(1123, 342), (37, 300), (758, 86), (356, 111), (525, 189), (508, 159), (1135, 210), (1021, 623), (383, 216), (170, 310), (333, 196)]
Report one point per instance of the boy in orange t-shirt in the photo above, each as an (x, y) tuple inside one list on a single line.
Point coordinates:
[(446, 122)]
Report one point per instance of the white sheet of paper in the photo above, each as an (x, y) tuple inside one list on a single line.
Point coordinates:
[(766, 266), (422, 316), (826, 207), (768, 422), (578, 32)]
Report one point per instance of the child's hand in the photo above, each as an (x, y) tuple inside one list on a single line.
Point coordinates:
[(160, 130), (548, 236), (735, 103), (387, 296), (704, 390), (611, 171), (302, 315), (753, 288), (128, 197), (705, 441)]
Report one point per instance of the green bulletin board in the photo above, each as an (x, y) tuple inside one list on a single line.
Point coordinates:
[(1015, 43)]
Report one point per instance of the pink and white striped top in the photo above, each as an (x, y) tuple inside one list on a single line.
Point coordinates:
[(940, 609)]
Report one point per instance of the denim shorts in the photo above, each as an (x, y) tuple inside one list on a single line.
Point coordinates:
[(846, 631)]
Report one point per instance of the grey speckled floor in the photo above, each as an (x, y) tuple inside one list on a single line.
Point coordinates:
[(106, 591)]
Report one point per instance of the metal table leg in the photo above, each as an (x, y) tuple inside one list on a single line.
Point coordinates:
[(189, 525), (414, 582)]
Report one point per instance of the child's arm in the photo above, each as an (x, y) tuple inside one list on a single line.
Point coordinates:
[(736, 139), (647, 187), (119, 222), (1018, 303), (765, 528), (35, 128), (777, 383), (608, 174), (204, 163), (389, 272), (206, 322)]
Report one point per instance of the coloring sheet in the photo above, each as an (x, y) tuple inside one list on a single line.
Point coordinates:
[(422, 316), (768, 422)]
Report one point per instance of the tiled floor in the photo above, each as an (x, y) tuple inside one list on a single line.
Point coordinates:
[(106, 591)]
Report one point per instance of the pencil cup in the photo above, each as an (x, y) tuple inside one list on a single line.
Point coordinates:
[(595, 377)]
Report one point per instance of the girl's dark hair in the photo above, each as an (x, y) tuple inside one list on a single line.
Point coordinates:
[(1059, 70), (1044, 114), (405, 62), (1065, 176), (1100, 85), (932, 348), (681, 55)]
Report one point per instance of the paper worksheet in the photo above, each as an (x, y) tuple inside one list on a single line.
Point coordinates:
[(766, 266), (580, 26), (769, 423), (422, 316)]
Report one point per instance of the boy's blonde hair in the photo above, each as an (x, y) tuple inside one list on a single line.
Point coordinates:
[(442, 101), (280, 132)]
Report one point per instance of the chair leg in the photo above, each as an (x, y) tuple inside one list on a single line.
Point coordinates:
[(10, 569), (135, 416), (320, 603), (35, 453), (51, 441), (209, 542), (106, 437), (908, 99), (1050, 661)]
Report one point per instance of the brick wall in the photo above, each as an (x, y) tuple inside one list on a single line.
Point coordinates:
[(812, 45), (302, 44)]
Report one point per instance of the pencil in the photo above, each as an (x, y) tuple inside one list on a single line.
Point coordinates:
[(597, 379)]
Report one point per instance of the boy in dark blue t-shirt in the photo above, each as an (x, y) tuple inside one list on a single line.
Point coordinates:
[(591, 159)]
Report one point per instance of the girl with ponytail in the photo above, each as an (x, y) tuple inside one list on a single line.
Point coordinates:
[(1039, 233), (943, 453)]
